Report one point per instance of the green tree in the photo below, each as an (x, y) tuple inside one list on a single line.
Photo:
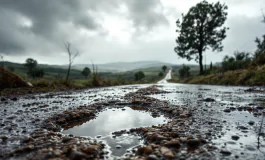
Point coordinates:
[(86, 72), (31, 64), (184, 71), (200, 29), (164, 68), (139, 75), (37, 73)]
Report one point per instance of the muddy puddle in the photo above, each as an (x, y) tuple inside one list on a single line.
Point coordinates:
[(107, 124)]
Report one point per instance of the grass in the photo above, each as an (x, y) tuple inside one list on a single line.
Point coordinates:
[(251, 77), (52, 82)]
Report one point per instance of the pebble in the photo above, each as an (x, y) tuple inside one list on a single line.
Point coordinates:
[(225, 152), (193, 143), (235, 137), (118, 146), (251, 123)]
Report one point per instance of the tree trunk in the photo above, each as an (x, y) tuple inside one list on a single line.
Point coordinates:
[(200, 62), (68, 72)]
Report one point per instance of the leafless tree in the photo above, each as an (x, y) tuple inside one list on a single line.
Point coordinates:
[(71, 56)]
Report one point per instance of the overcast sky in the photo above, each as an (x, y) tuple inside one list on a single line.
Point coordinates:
[(114, 30)]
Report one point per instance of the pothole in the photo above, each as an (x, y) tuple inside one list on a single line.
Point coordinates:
[(115, 119)]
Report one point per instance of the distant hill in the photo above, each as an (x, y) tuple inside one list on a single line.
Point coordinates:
[(61, 70), (122, 66)]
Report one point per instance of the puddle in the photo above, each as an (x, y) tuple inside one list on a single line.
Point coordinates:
[(115, 119)]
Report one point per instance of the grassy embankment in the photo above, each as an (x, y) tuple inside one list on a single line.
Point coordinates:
[(250, 76), (53, 80)]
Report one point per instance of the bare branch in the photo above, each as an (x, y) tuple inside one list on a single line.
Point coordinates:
[(71, 57)]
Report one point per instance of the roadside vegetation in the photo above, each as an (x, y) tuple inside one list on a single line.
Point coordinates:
[(52, 78)]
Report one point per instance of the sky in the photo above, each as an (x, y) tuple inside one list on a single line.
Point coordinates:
[(106, 31)]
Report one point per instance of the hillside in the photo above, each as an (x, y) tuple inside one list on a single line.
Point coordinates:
[(123, 66)]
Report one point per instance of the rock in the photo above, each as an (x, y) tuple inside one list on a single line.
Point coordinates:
[(76, 155), (173, 143), (250, 148), (90, 150), (152, 157), (4, 138), (235, 137), (225, 152), (242, 127), (3, 99), (193, 143), (29, 84), (251, 123), (209, 100), (159, 138), (140, 151), (167, 152), (66, 139), (61, 121), (148, 150), (182, 115), (118, 146), (27, 140), (14, 99), (227, 110)]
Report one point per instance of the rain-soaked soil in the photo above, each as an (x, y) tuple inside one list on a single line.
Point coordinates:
[(168, 121)]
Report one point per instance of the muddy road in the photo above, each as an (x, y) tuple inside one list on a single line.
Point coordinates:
[(228, 118)]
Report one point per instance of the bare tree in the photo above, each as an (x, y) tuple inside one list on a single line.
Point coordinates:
[(71, 56)]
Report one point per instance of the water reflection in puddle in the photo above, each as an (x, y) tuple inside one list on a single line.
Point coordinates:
[(116, 119)]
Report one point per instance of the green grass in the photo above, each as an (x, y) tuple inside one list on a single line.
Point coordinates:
[(251, 77)]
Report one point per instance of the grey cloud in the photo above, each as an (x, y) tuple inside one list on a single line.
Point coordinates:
[(242, 33), (51, 17), (143, 13)]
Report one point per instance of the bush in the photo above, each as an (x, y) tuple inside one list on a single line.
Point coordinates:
[(184, 71), (139, 75), (241, 60)]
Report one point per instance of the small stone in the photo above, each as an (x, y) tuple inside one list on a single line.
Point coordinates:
[(227, 110), (182, 115), (167, 152), (66, 139), (4, 138), (235, 137), (90, 149), (251, 123), (242, 127), (14, 99), (173, 143), (193, 143), (118, 146), (148, 150), (209, 100), (152, 157), (225, 152), (30, 139), (77, 155)]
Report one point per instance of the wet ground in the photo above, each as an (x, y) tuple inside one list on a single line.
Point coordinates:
[(229, 117)]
